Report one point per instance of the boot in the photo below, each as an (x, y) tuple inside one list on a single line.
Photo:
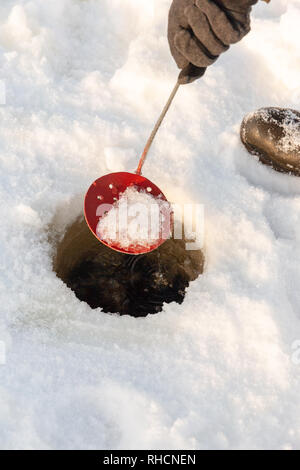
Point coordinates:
[(273, 135)]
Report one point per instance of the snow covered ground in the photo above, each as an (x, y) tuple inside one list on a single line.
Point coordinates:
[(85, 81)]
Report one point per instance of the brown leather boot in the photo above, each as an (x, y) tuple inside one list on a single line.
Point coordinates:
[(273, 134)]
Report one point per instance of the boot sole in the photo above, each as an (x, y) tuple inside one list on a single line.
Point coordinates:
[(266, 160)]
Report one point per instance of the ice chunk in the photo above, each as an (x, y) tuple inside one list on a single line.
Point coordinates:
[(135, 219)]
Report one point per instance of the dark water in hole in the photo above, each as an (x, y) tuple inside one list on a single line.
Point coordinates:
[(120, 283)]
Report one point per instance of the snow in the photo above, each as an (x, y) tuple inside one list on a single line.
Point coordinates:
[(135, 220), (218, 372), (290, 141)]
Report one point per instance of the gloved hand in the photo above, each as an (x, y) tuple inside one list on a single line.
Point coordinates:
[(200, 30)]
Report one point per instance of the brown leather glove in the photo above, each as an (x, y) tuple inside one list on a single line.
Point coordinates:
[(200, 30)]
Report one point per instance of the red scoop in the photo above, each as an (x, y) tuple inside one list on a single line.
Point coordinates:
[(107, 190)]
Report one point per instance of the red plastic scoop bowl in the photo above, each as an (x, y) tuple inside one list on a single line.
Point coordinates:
[(107, 190)]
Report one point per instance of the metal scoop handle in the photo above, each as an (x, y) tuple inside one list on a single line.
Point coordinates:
[(156, 127)]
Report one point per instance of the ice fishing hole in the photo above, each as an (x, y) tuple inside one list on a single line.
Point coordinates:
[(121, 283)]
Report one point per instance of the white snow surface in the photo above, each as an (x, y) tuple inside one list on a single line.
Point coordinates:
[(85, 82)]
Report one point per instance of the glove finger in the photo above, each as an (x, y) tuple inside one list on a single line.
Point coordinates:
[(190, 73), (173, 29), (190, 48), (202, 30), (223, 28), (174, 26), (179, 58)]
